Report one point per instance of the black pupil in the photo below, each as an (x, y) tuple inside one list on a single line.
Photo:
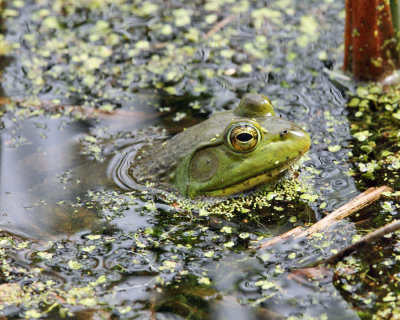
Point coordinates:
[(244, 137)]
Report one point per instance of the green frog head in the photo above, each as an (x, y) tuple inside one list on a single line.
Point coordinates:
[(230, 152)]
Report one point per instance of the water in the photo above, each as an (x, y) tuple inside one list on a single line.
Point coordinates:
[(79, 240)]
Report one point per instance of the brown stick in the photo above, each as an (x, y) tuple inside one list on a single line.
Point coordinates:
[(219, 26), (361, 201), (370, 237)]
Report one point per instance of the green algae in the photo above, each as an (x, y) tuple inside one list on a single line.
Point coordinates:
[(78, 55), (92, 52), (374, 155), (375, 128), (41, 294)]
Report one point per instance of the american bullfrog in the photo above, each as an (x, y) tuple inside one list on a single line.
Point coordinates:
[(230, 152)]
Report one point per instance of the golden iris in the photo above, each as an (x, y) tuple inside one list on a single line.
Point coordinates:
[(243, 136)]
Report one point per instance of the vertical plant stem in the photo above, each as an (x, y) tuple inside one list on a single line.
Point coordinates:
[(370, 39), (395, 9), (348, 36)]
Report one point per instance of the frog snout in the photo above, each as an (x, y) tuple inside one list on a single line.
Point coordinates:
[(299, 137)]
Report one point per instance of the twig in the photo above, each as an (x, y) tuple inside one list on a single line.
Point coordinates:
[(361, 201), (367, 239), (219, 26), (153, 309)]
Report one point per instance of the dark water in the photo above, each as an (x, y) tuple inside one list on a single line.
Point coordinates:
[(102, 251)]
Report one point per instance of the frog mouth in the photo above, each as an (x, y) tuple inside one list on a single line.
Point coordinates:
[(247, 184)]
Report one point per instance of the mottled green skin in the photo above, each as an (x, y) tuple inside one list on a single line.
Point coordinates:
[(226, 171)]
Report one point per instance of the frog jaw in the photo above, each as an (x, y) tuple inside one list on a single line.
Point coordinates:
[(265, 177)]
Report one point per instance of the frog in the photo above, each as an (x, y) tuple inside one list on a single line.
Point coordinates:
[(231, 152)]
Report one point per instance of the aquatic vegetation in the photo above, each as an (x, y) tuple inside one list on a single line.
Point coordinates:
[(84, 79), (375, 128)]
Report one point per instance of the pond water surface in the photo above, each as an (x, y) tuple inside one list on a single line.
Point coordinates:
[(84, 81)]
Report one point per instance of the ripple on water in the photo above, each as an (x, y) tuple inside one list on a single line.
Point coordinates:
[(118, 167), (248, 285), (128, 262), (124, 158), (304, 93)]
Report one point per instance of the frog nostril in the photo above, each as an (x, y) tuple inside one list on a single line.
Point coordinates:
[(283, 133)]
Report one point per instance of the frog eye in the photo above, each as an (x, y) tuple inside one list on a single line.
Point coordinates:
[(243, 136)]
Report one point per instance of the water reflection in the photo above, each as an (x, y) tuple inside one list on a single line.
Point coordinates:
[(41, 175), (47, 170), (246, 288), (282, 294), (44, 179)]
